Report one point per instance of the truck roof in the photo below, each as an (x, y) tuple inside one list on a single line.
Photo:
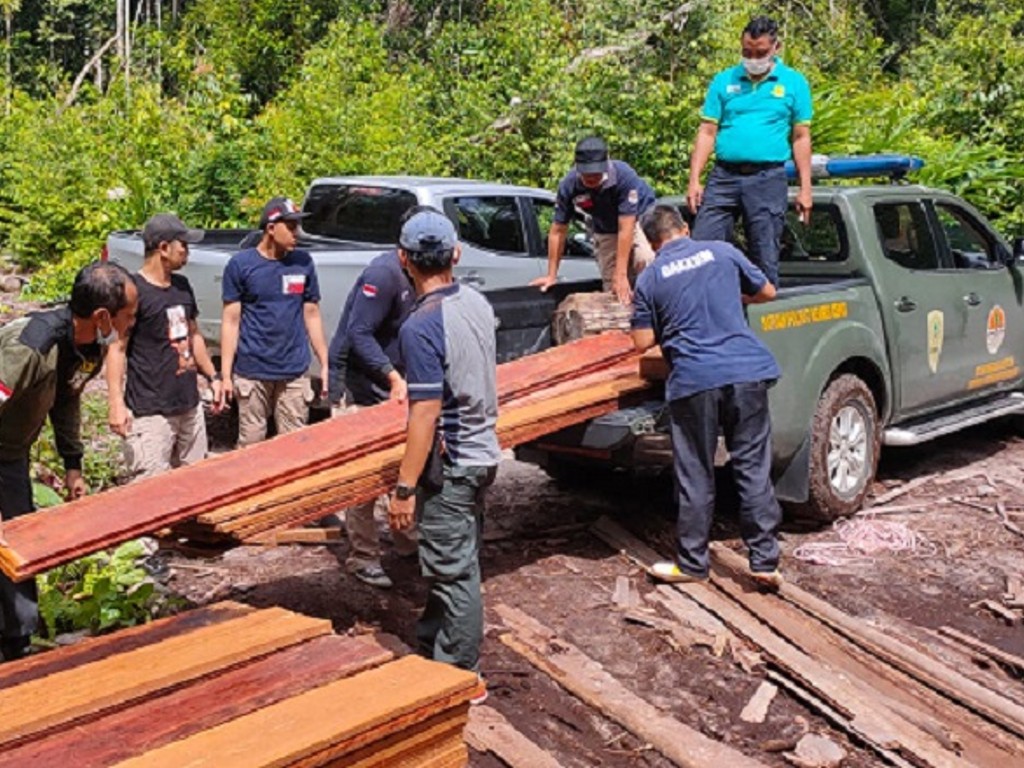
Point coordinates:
[(433, 184)]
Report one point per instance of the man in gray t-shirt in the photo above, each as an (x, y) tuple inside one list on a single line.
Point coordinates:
[(452, 451)]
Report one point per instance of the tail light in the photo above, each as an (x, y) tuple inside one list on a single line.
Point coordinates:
[(105, 254)]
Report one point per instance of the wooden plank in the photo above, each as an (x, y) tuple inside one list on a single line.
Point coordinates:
[(877, 726), (927, 670), (586, 679), (1008, 660), (88, 691), (204, 704), (420, 744), (326, 723), (94, 649), (756, 710), (489, 731)]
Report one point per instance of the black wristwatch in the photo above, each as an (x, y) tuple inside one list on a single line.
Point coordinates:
[(403, 491)]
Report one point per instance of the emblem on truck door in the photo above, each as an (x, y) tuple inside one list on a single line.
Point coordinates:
[(995, 331), (935, 335)]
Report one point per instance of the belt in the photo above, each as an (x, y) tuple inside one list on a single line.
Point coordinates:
[(746, 169)]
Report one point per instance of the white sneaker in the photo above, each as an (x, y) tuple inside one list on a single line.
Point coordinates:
[(670, 574)]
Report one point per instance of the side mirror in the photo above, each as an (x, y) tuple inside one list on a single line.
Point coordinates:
[(1018, 249)]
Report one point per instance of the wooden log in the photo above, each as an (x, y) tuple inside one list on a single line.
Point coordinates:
[(202, 705), (52, 536), (94, 649), (82, 693), (949, 682), (489, 731), (326, 723), (587, 680)]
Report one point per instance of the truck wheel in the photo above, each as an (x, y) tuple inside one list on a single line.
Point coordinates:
[(845, 441)]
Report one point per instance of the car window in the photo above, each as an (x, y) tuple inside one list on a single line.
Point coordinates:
[(360, 213), (576, 243), (823, 239), (968, 244), (493, 223), (905, 236)]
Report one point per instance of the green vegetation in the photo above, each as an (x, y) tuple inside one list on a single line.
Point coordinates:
[(211, 112)]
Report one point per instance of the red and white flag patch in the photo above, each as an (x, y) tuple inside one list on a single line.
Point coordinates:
[(5, 392), (293, 284), (369, 291)]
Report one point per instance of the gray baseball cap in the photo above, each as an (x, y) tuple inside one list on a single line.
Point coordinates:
[(429, 236), (166, 228)]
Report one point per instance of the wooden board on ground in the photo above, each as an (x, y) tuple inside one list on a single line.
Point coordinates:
[(586, 679), (87, 691), (489, 731)]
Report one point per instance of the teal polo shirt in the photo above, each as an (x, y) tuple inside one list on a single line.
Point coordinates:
[(755, 120)]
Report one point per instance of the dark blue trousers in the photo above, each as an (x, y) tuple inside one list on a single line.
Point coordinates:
[(761, 198), (19, 611), (741, 412)]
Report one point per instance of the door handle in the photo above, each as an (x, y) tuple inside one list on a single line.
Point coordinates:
[(972, 299), (471, 278), (905, 304)]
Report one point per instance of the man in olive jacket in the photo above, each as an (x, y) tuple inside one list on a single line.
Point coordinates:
[(46, 359)]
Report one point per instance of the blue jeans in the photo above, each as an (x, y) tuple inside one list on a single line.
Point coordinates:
[(761, 198), (451, 627), (740, 411)]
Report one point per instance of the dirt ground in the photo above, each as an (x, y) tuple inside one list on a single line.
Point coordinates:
[(539, 557)]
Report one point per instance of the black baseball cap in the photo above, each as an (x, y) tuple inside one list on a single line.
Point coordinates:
[(280, 209), (166, 228), (592, 155)]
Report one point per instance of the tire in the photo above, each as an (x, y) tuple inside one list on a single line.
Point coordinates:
[(569, 474), (846, 437)]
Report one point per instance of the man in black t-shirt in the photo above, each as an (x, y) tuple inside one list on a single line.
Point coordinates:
[(156, 406)]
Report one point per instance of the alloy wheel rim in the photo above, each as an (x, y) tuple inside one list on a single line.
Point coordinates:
[(847, 451)]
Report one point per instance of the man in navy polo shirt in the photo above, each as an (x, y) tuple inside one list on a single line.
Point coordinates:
[(689, 301), (449, 350), (271, 317), (614, 197), (756, 116)]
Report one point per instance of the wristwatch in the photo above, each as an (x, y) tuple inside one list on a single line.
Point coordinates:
[(403, 491)]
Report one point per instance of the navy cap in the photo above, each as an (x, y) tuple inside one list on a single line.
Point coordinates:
[(166, 228), (280, 209), (429, 239), (592, 155)]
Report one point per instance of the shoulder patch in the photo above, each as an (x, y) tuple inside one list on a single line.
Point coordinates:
[(633, 197), (369, 291), (5, 393)]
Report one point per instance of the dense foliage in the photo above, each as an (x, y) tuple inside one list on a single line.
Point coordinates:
[(211, 106)]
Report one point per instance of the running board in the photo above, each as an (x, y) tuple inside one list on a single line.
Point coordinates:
[(923, 431)]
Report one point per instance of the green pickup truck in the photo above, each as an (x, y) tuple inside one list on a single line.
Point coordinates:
[(900, 318)]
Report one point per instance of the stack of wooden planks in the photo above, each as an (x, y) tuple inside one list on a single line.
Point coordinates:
[(299, 477), (907, 705), (228, 685)]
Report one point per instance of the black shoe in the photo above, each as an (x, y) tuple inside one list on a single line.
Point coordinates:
[(14, 648)]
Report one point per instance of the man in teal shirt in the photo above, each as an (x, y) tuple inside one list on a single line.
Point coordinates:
[(756, 116)]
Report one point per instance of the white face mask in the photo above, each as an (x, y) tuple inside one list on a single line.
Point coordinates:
[(758, 67), (106, 340)]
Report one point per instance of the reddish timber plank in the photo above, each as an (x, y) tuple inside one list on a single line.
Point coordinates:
[(84, 693), (49, 537), (95, 649), (203, 705)]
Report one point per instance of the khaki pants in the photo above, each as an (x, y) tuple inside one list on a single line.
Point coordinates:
[(157, 444), (361, 525), (606, 248), (287, 401)]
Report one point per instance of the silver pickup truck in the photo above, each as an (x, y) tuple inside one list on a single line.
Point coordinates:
[(503, 230)]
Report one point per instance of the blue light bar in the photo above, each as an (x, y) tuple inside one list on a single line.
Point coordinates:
[(859, 166)]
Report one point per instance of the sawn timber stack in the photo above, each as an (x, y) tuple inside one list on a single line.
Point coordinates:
[(277, 483)]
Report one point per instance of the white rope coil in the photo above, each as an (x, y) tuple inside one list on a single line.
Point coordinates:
[(860, 539)]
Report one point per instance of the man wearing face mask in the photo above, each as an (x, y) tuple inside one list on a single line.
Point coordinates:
[(46, 359), (271, 318), (756, 116), (614, 196)]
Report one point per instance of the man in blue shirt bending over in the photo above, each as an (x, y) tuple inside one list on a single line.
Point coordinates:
[(690, 301), (757, 115)]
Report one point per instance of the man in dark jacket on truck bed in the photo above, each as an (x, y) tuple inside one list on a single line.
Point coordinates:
[(46, 359)]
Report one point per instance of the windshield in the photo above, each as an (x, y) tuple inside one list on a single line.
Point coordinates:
[(361, 213)]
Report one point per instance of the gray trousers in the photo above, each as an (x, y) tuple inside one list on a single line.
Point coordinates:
[(741, 412), (762, 199), (451, 628), (19, 609)]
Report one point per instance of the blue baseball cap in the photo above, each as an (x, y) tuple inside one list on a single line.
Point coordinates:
[(429, 238)]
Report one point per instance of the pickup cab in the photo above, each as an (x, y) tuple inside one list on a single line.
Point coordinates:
[(899, 319), (502, 229)]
